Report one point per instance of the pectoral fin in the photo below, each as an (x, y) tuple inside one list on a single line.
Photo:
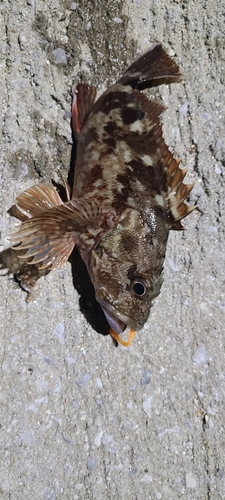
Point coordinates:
[(36, 200), (50, 236)]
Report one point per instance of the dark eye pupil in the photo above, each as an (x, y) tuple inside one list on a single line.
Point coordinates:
[(139, 288)]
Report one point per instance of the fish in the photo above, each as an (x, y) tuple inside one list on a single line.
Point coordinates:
[(128, 193)]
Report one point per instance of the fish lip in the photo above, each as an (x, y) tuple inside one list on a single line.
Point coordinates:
[(117, 321)]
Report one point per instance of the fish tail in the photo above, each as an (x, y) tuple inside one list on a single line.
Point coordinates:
[(152, 68)]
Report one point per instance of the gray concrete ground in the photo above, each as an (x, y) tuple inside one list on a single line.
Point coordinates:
[(80, 418)]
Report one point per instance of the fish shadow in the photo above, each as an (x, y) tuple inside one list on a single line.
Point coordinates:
[(89, 306), (11, 265)]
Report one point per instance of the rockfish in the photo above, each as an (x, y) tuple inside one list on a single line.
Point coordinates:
[(128, 193)]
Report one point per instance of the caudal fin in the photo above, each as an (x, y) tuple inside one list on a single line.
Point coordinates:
[(152, 68)]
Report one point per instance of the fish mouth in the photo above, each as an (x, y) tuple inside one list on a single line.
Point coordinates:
[(117, 321)]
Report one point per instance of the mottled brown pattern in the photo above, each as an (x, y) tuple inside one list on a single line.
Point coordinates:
[(153, 178), (121, 196), (127, 194), (109, 128), (131, 271), (141, 143), (108, 101), (95, 173), (111, 142), (127, 241), (90, 137), (130, 115)]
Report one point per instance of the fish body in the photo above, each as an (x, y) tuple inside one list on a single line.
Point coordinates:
[(127, 195)]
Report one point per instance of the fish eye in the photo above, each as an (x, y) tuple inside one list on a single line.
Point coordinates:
[(139, 287)]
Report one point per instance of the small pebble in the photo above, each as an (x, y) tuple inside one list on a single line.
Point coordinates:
[(59, 56)]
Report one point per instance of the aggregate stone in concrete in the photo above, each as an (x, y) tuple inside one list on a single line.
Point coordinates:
[(80, 418)]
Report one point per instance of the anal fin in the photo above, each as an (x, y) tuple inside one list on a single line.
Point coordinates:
[(83, 100)]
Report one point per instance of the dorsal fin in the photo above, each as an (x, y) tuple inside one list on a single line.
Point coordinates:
[(175, 191), (178, 210)]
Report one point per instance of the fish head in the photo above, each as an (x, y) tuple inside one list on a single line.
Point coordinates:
[(126, 270)]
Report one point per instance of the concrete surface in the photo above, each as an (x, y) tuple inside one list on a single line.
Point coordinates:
[(80, 418)]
